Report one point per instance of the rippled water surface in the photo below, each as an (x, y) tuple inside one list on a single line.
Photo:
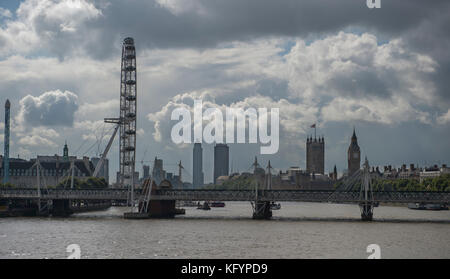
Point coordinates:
[(298, 230)]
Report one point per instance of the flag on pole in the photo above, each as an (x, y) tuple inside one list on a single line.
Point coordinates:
[(313, 125)]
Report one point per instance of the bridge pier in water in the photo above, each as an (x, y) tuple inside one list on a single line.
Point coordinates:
[(45, 207), (161, 209), (262, 210), (19, 207), (154, 209), (366, 211), (61, 208)]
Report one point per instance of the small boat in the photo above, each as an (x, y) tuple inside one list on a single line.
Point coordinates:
[(180, 211), (417, 206), (205, 206), (428, 206), (433, 206), (217, 204), (436, 206), (136, 215), (187, 203), (275, 206)]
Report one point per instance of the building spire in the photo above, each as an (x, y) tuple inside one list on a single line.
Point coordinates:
[(66, 152), (354, 138), (354, 153), (6, 142), (255, 165)]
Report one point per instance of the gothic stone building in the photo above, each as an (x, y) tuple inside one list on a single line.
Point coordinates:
[(315, 155), (354, 155)]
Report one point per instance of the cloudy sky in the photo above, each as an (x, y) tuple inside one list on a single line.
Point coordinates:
[(335, 63)]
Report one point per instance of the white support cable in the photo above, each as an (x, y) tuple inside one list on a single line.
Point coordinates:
[(38, 178), (147, 200), (347, 185), (102, 135), (105, 153), (72, 166)]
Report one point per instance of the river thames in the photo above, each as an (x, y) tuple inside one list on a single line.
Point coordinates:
[(298, 230)]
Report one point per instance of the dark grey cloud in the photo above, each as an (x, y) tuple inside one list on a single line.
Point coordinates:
[(54, 108), (99, 28), (217, 21), (222, 21), (432, 37), (237, 19), (423, 25)]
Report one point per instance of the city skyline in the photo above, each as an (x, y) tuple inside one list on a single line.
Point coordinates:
[(318, 157), (354, 71), (233, 132), (197, 169)]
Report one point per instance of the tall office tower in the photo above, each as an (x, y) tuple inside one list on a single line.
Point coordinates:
[(221, 160), (315, 155), (354, 155), (197, 172), (146, 171), (6, 142), (158, 173)]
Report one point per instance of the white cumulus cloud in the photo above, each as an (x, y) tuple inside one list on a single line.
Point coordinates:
[(52, 108)]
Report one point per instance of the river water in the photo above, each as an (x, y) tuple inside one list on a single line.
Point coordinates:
[(298, 230)]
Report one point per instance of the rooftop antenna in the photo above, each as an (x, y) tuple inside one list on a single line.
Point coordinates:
[(269, 174), (180, 167), (232, 160), (6, 142)]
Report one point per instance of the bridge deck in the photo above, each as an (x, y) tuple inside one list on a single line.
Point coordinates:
[(231, 195)]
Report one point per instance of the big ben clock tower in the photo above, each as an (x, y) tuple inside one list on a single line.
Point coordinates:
[(354, 155)]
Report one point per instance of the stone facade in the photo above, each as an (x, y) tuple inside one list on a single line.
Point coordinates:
[(54, 169), (315, 155), (354, 155)]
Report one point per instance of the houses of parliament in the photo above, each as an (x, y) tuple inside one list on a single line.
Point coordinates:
[(314, 177), (315, 156)]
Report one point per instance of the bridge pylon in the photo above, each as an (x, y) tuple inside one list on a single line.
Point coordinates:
[(261, 209), (366, 203)]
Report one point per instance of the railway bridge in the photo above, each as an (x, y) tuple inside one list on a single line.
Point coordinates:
[(329, 196), (159, 201), (261, 198)]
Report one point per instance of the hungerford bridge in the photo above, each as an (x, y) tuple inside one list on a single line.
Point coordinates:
[(160, 201)]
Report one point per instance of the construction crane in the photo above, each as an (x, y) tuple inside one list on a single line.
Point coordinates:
[(180, 167)]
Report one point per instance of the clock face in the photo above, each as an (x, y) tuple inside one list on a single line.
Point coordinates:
[(355, 155)]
